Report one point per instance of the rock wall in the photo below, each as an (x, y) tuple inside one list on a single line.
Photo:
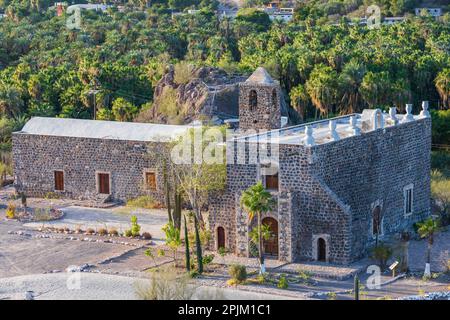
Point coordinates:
[(35, 158)]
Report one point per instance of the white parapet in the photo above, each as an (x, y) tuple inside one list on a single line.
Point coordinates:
[(424, 113), (408, 116), (354, 130), (309, 139), (333, 133), (393, 115)]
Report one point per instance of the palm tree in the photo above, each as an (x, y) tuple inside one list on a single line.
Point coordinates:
[(427, 229), (256, 200), (442, 83)]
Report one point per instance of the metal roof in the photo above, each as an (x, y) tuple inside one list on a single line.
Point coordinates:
[(98, 129)]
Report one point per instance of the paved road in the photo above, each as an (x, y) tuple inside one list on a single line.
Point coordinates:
[(96, 286), (119, 218)]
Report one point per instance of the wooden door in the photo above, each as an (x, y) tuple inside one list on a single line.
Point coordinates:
[(220, 237), (103, 183), (271, 245), (59, 180)]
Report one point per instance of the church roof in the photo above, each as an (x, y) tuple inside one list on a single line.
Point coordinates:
[(97, 129), (260, 76)]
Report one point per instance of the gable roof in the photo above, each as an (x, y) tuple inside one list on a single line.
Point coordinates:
[(98, 129), (260, 76)]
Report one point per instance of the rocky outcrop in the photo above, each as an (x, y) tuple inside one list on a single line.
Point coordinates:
[(209, 94)]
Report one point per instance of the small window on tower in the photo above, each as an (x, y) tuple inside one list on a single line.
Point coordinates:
[(253, 100), (274, 97)]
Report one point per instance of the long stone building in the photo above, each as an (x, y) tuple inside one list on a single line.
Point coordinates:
[(339, 184)]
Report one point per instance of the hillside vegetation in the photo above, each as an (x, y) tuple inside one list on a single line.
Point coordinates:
[(47, 69)]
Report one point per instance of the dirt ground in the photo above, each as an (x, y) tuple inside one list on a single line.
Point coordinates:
[(24, 252)]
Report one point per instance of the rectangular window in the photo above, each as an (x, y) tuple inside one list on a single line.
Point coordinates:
[(408, 196), (59, 180), (150, 180), (103, 183), (272, 182)]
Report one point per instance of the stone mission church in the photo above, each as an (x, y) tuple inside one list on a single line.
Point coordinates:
[(339, 183)]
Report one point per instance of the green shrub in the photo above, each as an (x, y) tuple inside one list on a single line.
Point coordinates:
[(238, 273), (135, 227), (283, 283), (128, 233), (207, 259), (381, 253)]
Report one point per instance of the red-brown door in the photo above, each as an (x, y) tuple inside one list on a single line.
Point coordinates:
[(271, 245), (220, 238), (59, 180), (103, 183)]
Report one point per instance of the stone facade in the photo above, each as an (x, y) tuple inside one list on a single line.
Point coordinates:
[(259, 102), (36, 158), (329, 191), (329, 184)]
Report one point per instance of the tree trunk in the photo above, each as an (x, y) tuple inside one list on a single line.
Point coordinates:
[(261, 253)]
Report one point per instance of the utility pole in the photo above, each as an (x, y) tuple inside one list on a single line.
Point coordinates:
[(94, 92)]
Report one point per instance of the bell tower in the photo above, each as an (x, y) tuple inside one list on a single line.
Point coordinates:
[(259, 102)]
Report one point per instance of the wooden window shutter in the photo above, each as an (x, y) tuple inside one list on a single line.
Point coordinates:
[(150, 180)]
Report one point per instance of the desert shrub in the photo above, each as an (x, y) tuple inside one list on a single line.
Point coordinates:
[(238, 273), (381, 253), (167, 102), (146, 235), (113, 232), (102, 231), (440, 192), (282, 282), (331, 296), (90, 231), (145, 202), (52, 195), (11, 210), (42, 215), (182, 72), (166, 285), (128, 233)]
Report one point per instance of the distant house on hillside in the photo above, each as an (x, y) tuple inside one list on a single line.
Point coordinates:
[(434, 12), (275, 13)]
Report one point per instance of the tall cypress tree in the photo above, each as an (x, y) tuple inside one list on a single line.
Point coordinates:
[(186, 239), (199, 246)]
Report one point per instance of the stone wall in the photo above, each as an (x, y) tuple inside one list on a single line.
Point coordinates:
[(267, 114), (36, 157), (328, 191), (372, 169)]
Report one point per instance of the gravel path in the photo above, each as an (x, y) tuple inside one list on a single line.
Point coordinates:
[(96, 286)]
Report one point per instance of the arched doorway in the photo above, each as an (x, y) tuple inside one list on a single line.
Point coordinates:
[(220, 238), (271, 245), (321, 250), (376, 221)]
